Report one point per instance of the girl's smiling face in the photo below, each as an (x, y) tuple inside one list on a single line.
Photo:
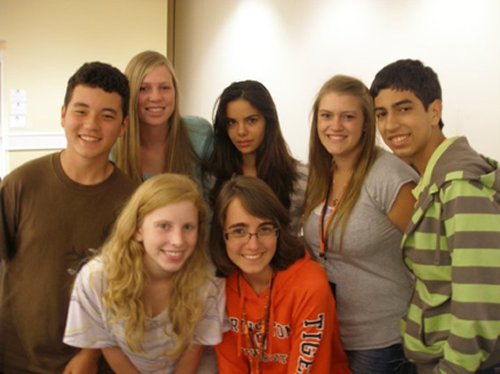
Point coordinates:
[(340, 125), (156, 100), (252, 254), (169, 235)]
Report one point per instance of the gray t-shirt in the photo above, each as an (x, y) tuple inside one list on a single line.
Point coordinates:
[(297, 198), (373, 285)]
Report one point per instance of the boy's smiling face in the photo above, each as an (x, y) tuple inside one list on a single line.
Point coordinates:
[(92, 121), (406, 127)]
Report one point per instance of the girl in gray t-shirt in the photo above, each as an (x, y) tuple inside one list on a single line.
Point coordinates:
[(358, 203)]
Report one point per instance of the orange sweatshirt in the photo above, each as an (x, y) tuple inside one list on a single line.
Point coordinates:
[(303, 330)]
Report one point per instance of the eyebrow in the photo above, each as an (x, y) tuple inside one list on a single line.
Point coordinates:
[(145, 83), (79, 104), (83, 105), (110, 110), (341, 112), (161, 220), (252, 116), (247, 117), (241, 224), (396, 104)]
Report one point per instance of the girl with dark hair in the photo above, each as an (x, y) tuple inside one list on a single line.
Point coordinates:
[(248, 141), (279, 305)]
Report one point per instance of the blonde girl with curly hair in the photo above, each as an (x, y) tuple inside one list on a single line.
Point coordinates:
[(149, 301)]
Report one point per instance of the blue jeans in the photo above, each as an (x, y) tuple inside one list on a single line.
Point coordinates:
[(388, 360)]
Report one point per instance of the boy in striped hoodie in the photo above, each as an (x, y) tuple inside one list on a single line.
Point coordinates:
[(452, 243)]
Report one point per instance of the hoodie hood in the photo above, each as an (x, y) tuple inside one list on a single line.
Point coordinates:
[(454, 159)]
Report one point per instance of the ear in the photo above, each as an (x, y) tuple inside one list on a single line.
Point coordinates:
[(138, 236), (435, 110), (63, 114), (124, 126)]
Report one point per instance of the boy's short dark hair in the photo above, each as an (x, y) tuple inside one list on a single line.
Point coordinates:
[(409, 75), (103, 76)]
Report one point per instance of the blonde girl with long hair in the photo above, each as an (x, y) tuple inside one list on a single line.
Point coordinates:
[(149, 301), (358, 203), (158, 140)]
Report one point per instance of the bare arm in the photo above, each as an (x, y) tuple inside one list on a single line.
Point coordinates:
[(84, 362), (402, 209), (190, 360), (118, 361)]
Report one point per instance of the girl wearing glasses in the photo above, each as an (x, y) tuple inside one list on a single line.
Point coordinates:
[(279, 305), (149, 301), (248, 141), (358, 203)]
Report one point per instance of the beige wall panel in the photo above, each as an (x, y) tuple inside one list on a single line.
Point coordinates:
[(45, 41), (17, 158)]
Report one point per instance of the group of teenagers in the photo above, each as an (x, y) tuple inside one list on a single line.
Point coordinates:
[(158, 243)]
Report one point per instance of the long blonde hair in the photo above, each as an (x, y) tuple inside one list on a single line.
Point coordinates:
[(321, 162), (180, 156), (123, 261)]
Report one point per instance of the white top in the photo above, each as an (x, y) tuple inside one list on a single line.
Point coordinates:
[(88, 322)]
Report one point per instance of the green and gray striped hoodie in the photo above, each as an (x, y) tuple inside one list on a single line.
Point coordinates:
[(452, 245)]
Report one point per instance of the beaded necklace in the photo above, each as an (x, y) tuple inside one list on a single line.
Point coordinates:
[(261, 334)]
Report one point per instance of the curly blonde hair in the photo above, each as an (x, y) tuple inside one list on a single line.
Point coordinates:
[(123, 263), (180, 156)]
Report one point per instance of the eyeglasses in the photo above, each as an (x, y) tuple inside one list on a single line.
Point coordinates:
[(241, 235)]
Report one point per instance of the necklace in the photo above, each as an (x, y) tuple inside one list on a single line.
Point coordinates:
[(323, 227), (334, 200), (261, 335)]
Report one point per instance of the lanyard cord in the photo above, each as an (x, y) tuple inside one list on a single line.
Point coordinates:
[(262, 333)]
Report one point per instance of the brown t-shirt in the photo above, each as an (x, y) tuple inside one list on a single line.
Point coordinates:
[(49, 226)]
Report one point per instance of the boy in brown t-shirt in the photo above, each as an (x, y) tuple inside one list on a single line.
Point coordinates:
[(55, 211)]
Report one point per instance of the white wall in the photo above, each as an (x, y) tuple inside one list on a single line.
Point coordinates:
[(293, 46)]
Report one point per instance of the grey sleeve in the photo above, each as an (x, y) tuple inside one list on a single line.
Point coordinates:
[(385, 179)]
